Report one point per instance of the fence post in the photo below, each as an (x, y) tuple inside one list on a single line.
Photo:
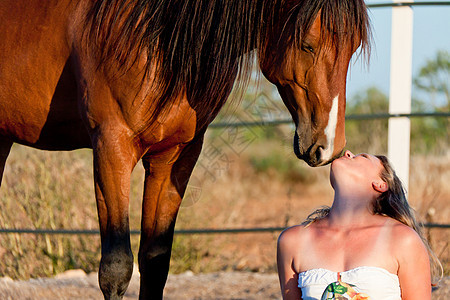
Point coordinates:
[(400, 90)]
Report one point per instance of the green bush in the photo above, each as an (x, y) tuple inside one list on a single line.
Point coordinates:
[(278, 164)]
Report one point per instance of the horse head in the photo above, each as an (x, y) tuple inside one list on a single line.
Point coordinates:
[(309, 69)]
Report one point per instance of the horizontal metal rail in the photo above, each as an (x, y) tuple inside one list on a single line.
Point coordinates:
[(177, 232), (349, 117), (419, 3), (234, 230)]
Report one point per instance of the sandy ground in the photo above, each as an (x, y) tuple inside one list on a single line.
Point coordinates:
[(76, 284)]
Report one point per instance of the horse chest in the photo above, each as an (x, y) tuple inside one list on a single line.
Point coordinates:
[(177, 126)]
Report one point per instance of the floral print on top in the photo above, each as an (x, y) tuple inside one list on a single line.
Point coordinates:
[(343, 291), (367, 279)]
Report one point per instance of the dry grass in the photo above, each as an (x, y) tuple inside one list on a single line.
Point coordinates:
[(239, 187)]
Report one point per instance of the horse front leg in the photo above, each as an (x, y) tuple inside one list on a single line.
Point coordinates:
[(166, 178), (114, 159)]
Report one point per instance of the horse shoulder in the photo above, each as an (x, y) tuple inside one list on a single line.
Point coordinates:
[(34, 51), (178, 126)]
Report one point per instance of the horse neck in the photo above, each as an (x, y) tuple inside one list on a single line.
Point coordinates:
[(194, 46)]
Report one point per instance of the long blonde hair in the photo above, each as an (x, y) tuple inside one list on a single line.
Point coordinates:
[(392, 203)]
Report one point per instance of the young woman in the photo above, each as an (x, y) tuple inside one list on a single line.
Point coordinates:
[(366, 246)]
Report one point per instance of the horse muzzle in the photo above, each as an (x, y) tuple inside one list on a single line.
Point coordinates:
[(314, 154)]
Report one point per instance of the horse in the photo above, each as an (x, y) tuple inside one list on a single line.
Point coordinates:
[(141, 80)]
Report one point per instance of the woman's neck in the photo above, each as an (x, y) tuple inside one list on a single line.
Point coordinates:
[(350, 209)]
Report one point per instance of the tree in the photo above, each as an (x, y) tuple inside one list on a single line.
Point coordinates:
[(367, 135), (434, 78)]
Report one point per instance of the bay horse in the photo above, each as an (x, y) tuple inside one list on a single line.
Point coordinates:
[(142, 79)]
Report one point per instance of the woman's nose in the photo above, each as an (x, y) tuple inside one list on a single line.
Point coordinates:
[(348, 154)]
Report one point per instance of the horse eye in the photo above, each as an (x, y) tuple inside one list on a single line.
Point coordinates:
[(307, 48)]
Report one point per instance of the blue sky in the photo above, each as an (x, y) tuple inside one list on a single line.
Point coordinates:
[(430, 34)]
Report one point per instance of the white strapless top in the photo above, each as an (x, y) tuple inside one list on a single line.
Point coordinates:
[(377, 283)]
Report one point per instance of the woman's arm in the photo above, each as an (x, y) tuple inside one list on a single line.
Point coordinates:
[(414, 265), (286, 273)]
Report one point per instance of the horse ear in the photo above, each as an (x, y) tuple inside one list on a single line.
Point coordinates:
[(380, 186)]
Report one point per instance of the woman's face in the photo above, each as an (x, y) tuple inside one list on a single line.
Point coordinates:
[(362, 169)]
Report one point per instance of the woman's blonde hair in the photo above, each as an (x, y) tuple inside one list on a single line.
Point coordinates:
[(392, 203)]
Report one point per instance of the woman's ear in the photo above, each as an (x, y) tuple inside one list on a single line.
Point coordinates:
[(380, 186)]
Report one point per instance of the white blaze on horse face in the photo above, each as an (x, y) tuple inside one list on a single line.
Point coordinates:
[(330, 130)]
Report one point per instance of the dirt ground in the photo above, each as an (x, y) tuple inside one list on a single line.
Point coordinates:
[(76, 284), (245, 263)]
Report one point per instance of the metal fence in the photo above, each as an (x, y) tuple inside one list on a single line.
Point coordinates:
[(416, 3), (177, 232), (348, 117), (234, 230)]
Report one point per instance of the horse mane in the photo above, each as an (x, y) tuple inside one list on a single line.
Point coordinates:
[(342, 20), (198, 46)]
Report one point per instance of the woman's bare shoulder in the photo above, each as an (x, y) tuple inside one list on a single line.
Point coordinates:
[(405, 237), (293, 235), (402, 231)]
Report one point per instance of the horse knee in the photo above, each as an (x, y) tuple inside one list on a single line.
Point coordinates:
[(115, 273)]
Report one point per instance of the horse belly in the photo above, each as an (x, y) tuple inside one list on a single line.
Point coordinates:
[(37, 91)]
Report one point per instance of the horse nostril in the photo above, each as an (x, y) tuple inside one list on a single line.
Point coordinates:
[(318, 154)]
